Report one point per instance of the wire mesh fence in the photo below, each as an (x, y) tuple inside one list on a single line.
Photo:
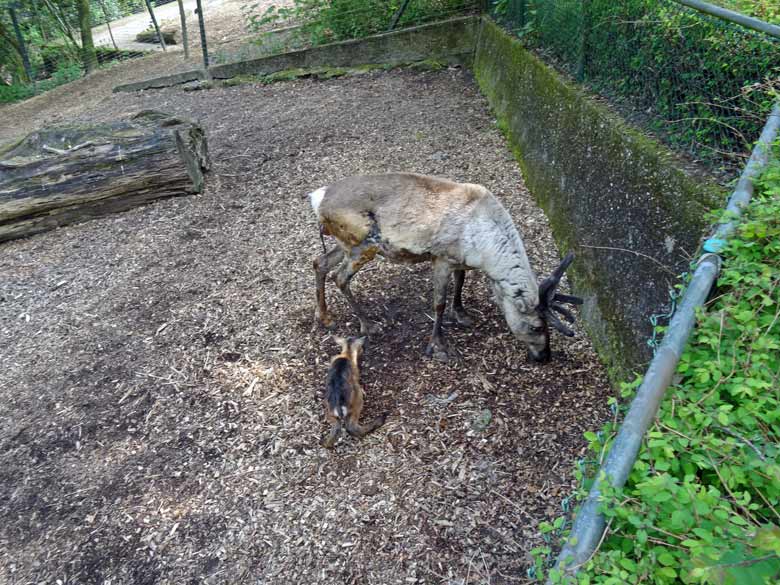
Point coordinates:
[(308, 23), (702, 84), (44, 48)]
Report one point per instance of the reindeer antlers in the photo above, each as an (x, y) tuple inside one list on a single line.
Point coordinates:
[(550, 301)]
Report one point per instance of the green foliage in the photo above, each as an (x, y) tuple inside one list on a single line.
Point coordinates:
[(325, 21), (703, 84), (766, 10), (18, 92), (50, 31), (702, 503)]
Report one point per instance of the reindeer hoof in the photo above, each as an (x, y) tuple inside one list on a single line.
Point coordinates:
[(437, 352), (463, 318)]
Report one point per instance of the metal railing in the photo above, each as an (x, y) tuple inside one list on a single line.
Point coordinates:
[(590, 523)]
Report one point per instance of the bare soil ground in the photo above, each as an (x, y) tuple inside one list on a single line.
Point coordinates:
[(161, 381)]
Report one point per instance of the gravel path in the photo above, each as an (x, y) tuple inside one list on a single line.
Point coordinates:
[(161, 381)]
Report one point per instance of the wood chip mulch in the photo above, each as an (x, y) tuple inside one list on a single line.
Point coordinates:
[(161, 376)]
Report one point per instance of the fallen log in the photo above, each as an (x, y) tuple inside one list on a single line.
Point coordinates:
[(70, 174)]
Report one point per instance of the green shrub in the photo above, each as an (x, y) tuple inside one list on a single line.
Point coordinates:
[(324, 21), (702, 503), (704, 85), (15, 93), (766, 10)]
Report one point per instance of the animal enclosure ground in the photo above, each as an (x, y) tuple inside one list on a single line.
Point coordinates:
[(161, 382)]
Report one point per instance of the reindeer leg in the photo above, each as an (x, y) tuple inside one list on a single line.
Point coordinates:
[(359, 256), (461, 315), (358, 430), (330, 438), (437, 349), (323, 265)]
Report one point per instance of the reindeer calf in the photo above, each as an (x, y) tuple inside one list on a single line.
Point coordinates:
[(344, 395)]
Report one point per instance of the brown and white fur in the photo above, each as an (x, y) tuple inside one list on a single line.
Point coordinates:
[(457, 226), (344, 394)]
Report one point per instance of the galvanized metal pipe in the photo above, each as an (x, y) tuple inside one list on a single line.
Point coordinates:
[(731, 16), (590, 523)]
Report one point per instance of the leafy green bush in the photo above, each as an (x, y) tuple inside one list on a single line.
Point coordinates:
[(704, 85), (702, 503), (766, 10), (324, 21), (17, 92)]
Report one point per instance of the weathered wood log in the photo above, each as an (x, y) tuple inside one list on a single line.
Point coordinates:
[(69, 174)]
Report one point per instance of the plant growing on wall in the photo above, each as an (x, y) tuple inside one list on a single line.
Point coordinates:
[(702, 503)]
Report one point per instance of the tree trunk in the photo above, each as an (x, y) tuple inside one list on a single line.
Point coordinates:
[(87, 45), (19, 73), (70, 174), (62, 22)]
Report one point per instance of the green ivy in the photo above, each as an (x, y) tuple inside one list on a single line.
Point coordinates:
[(702, 503), (703, 85)]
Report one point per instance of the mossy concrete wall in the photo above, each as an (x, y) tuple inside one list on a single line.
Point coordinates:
[(450, 41), (616, 197)]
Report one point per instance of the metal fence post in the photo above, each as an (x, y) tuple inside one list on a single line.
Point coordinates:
[(518, 12), (583, 48), (156, 26), (398, 15)]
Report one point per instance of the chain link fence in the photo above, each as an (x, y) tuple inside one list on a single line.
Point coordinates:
[(702, 84)]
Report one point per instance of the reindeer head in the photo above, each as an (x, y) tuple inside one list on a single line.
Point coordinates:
[(351, 347), (550, 302), (531, 324)]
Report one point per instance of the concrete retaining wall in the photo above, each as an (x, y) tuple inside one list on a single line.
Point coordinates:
[(617, 197), (450, 41)]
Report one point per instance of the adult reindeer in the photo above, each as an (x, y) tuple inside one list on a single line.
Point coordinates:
[(457, 226)]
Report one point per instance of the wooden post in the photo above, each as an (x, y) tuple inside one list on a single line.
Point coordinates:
[(22, 47), (156, 27), (203, 46), (184, 41), (108, 23)]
